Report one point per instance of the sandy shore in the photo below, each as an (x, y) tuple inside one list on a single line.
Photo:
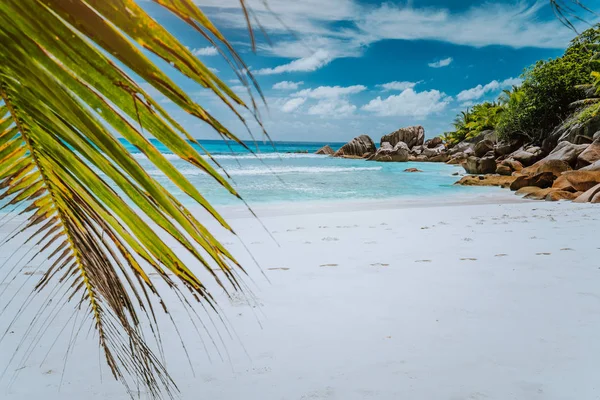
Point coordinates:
[(472, 301)]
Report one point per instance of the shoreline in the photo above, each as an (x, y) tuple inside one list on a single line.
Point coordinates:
[(487, 195)]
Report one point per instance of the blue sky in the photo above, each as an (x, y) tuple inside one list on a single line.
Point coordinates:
[(339, 68)]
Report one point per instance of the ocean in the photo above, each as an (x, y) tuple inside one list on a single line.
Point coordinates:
[(290, 172)]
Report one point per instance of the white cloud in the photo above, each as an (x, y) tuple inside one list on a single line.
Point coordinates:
[(516, 25), (441, 63), (292, 104), (324, 92), (329, 101), (409, 104), (305, 64), (287, 85), (396, 85), (332, 108), (213, 70), (205, 51), (481, 90), (519, 24)]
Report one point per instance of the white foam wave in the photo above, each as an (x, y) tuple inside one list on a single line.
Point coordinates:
[(275, 170), (262, 156)]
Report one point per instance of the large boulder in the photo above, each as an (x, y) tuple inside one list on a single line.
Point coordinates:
[(357, 147), (540, 194), (526, 156), (503, 170), (432, 152), (412, 136), (508, 167), (327, 150), (486, 180), (513, 164), (590, 155), (570, 129), (484, 135), (581, 181), (592, 167), (387, 153), (476, 165), (557, 167), (543, 181), (567, 152), (506, 147), (461, 147), (560, 195), (589, 195), (443, 157), (483, 147), (433, 142), (527, 190)]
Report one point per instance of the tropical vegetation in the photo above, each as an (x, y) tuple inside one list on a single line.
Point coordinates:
[(550, 92), (98, 220), (470, 123)]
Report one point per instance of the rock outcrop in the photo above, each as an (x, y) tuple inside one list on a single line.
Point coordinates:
[(507, 147), (590, 155), (557, 167), (434, 142), (483, 147), (567, 152), (543, 181), (589, 195), (569, 131), (486, 180), (526, 156), (560, 195), (592, 167), (581, 181), (476, 165), (327, 150), (357, 148), (387, 153), (412, 136)]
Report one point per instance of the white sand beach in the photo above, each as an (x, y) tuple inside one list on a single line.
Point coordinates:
[(431, 301)]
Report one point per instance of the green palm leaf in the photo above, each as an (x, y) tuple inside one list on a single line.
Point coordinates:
[(61, 100)]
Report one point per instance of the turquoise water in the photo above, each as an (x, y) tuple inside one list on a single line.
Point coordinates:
[(277, 173)]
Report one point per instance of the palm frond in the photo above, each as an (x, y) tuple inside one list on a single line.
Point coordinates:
[(62, 98)]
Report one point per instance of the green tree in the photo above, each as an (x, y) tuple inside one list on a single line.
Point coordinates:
[(549, 88), (470, 123)]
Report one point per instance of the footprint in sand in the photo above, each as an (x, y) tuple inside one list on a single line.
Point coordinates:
[(501, 255), (330, 239), (468, 259), (467, 239), (423, 261), (328, 265), (307, 242), (279, 269), (542, 254), (566, 249), (323, 227), (379, 265)]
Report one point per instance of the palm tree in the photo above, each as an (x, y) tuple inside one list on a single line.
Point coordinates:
[(63, 97)]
